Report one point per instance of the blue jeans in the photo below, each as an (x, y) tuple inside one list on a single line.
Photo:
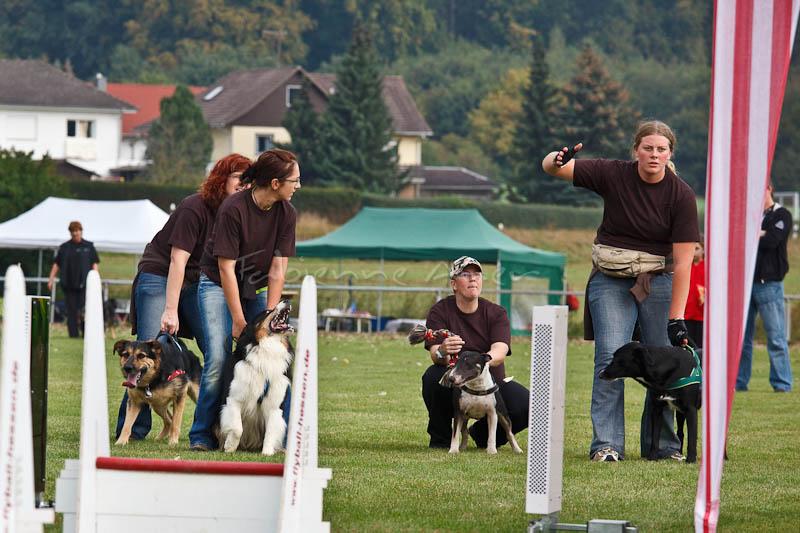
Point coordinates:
[(767, 300), (150, 298), (217, 323), (615, 312)]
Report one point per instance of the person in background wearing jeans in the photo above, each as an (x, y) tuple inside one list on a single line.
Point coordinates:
[(164, 292), (772, 264), (646, 208), (75, 258), (243, 272)]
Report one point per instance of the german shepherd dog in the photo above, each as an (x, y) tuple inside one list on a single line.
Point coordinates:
[(251, 419), (674, 376), (161, 376)]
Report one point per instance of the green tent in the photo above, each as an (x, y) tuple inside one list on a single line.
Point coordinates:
[(443, 234)]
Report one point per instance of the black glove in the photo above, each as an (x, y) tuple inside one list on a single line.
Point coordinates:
[(565, 157), (677, 333)]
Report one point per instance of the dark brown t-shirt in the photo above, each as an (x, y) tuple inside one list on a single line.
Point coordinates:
[(637, 215), (188, 228), (479, 330), (253, 237)]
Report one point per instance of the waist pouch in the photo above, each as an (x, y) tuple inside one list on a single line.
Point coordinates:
[(622, 263)]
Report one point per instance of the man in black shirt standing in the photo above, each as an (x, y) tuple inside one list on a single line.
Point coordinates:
[(75, 258), (767, 298)]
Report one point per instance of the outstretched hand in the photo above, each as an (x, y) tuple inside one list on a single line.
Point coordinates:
[(565, 155)]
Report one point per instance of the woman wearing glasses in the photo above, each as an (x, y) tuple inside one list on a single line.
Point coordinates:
[(164, 293), (476, 325), (243, 272)]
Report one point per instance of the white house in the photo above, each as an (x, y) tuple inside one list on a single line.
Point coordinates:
[(47, 111)]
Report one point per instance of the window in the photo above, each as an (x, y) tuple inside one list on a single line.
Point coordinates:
[(80, 128), (264, 143), (292, 91), (212, 93)]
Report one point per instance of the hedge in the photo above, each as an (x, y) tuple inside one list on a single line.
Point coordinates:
[(340, 204), (511, 215), (336, 204)]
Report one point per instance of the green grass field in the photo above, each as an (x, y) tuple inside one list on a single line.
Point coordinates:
[(372, 434)]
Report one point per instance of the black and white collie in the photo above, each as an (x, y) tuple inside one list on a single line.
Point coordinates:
[(252, 419)]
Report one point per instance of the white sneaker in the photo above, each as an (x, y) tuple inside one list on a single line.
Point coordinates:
[(606, 454)]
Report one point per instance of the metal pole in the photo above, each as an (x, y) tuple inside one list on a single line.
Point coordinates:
[(380, 297), (498, 276), (39, 275)]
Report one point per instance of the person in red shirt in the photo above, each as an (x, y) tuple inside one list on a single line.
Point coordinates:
[(693, 313)]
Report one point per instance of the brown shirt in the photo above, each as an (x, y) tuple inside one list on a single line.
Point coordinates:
[(479, 330), (188, 228), (637, 215), (253, 237)]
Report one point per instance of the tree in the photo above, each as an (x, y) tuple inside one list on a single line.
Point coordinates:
[(596, 110), (24, 182), (179, 143), (450, 83), (360, 136), (536, 133), (308, 130), (492, 123)]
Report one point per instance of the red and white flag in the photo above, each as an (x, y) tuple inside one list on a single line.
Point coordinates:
[(752, 47)]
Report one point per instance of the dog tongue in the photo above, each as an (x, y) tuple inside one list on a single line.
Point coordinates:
[(131, 380)]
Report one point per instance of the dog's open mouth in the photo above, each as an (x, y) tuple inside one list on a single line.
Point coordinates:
[(132, 378), (280, 322)]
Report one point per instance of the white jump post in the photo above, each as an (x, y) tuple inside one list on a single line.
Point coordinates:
[(175, 496), (303, 481), (546, 415), (18, 511)]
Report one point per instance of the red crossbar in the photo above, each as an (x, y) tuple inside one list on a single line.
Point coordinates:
[(190, 467)]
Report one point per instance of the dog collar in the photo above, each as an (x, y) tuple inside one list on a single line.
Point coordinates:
[(491, 390), (695, 377), (175, 374)]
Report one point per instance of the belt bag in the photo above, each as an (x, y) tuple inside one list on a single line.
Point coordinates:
[(622, 263)]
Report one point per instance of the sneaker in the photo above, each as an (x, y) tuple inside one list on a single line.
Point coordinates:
[(676, 456), (606, 454), (199, 447)]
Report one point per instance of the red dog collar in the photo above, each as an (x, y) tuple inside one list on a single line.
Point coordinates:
[(175, 374)]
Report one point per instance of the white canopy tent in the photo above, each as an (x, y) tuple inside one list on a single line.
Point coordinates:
[(113, 226)]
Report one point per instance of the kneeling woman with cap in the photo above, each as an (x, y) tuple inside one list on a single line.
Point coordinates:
[(477, 325)]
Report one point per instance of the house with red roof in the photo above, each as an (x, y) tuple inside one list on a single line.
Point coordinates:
[(147, 99)]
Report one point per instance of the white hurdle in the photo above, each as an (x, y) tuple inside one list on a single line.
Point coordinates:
[(546, 415), (187, 496), (18, 511)]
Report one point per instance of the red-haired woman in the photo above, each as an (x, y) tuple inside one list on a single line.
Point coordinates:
[(243, 272), (164, 294)]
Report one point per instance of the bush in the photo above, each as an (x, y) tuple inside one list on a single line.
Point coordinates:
[(336, 204), (339, 205), (25, 182), (161, 195), (511, 215)]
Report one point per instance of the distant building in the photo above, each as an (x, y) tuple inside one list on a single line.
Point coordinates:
[(135, 126), (47, 111), (430, 181), (245, 110)]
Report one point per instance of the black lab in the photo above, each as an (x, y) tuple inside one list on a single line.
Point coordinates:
[(673, 375)]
